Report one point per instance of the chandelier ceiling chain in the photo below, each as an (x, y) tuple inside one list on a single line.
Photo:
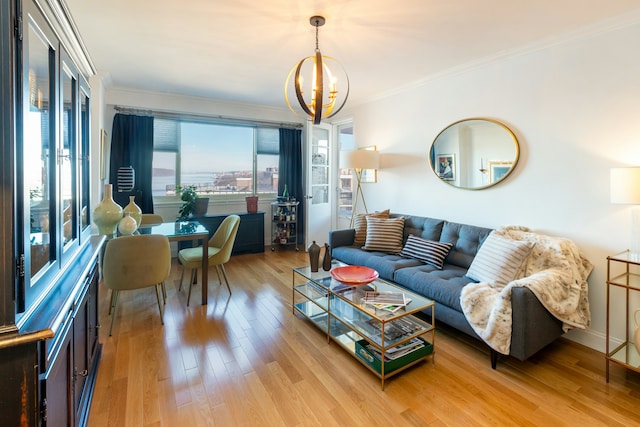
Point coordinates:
[(317, 24), (322, 77)]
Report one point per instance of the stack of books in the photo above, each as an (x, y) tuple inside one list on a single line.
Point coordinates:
[(389, 301)]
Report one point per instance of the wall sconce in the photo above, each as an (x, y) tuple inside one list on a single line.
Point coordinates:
[(326, 100), (625, 189), (359, 160)]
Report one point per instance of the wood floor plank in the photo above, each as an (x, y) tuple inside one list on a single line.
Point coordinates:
[(246, 359)]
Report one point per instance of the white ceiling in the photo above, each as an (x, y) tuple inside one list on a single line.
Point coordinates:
[(242, 50)]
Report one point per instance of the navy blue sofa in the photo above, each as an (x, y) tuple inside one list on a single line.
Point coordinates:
[(533, 326)]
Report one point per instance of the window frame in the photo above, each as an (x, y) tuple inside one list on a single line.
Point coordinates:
[(233, 197)]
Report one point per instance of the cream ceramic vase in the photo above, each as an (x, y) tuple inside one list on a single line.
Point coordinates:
[(127, 225), (108, 213), (636, 335), (133, 210)]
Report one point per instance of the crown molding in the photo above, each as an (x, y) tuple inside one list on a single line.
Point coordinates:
[(601, 27)]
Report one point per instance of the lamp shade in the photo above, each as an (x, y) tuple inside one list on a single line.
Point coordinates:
[(360, 159), (625, 185)]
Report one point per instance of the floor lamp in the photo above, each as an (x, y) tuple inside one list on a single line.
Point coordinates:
[(358, 160), (625, 188)]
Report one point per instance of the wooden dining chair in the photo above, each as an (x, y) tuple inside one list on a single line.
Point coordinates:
[(219, 247), (136, 262)]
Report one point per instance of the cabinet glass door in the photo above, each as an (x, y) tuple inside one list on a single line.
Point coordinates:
[(38, 151), (67, 156), (85, 159)]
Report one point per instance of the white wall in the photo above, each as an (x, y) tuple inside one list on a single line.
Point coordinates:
[(574, 107)]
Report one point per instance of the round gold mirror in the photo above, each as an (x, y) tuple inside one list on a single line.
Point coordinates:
[(474, 153)]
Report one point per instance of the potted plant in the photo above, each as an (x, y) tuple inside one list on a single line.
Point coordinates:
[(192, 203)]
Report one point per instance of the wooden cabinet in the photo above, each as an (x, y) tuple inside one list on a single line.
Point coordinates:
[(57, 351), (70, 368), (250, 237), (49, 348)]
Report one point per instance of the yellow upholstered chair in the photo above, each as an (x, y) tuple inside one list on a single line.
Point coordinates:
[(151, 219), (135, 262), (220, 246)]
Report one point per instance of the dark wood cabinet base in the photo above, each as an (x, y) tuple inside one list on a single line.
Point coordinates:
[(250, 237)]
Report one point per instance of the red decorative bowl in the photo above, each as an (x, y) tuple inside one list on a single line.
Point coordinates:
[(354, 275)]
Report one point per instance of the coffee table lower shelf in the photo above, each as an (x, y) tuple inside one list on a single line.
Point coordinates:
[(356, 345)]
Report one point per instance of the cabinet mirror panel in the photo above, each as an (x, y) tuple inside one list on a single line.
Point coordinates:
[(474, 153)]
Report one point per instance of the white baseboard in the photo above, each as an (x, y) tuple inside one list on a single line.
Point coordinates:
[(591, 339)]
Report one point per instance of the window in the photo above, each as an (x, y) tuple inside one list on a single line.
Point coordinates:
[(346, 181), (218, 159)]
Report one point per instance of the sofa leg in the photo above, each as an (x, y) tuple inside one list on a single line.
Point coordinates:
[(494, 358)]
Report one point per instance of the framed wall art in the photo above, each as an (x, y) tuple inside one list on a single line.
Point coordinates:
[(498, 170), (446, 164)]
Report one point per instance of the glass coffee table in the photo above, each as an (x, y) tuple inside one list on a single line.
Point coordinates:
[(371, 333)]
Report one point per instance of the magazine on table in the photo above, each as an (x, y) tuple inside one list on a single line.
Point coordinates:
[(389, 301), (397, 351)]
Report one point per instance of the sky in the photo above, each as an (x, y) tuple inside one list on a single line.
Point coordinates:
[(228, 147)]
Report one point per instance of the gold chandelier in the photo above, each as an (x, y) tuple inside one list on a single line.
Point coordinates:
[(325, 99)]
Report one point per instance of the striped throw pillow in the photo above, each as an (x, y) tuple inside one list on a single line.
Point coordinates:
[(499, 260), (360, 224), (428, 251), (384, 234)]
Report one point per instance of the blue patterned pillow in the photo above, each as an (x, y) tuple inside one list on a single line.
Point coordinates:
[(429, 251)]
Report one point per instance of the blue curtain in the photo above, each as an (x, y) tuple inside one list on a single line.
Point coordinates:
[(132, 145), (290, 172)]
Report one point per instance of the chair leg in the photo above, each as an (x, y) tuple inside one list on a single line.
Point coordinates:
[(158, 289), (193, 280), (224, 273), (111, 301), (112, 308), (181, 277), (189, 294), (218, 273), (164, 293)]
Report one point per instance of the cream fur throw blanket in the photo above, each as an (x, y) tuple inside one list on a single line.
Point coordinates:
[(555, 271)]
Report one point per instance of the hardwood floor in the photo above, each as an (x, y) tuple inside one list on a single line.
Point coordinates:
[(247, 360)]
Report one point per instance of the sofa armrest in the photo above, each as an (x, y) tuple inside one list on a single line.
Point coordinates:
[(533, 326), (342, 237)]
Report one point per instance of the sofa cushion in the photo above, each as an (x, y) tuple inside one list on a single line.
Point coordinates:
[(423, 227), (499, 260), (360, 225), (443, 286), (384, 234), (385, 264), (466, 241), (427, 251)]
